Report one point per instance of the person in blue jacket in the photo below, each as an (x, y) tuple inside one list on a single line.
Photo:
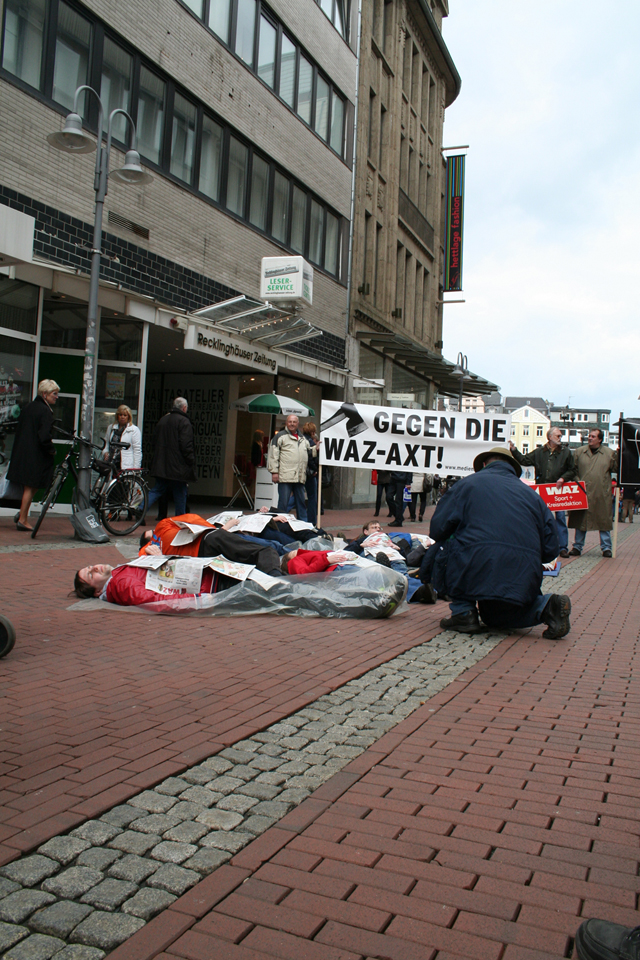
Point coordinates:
[(496, 533)]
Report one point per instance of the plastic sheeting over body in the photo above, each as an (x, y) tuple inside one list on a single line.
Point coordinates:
[(360, 593)]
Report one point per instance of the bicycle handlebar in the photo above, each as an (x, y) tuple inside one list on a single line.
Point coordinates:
[(76, 439)]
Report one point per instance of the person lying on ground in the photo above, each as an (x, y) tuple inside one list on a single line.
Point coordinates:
[(223, 540), (494, 534), (400, 554), (281, 523), (125, 585), (299, 562)]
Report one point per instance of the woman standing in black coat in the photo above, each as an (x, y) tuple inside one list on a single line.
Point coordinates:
[(32, 458)]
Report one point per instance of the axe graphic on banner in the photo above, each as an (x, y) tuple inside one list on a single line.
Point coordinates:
[(355, 423)]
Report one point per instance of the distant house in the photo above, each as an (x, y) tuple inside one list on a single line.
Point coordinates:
[(510, 404), (575, 423), (528, 427)]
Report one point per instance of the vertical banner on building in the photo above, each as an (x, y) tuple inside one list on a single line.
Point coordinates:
[(454, 223)]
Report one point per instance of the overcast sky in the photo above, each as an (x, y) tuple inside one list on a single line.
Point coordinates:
[(550, 106)]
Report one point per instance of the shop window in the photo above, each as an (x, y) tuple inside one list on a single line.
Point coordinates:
[(305, 88), (120, 339), (115, 89), (72, 56), (280, 217), (151, 109), (245, 30), (259, 193), (220, 18), (23, 38), (16, 386), (267, 52), (287, 70), (237, 177), (210, 158), (182, 138), (298, 220), (64, 325), (18, 306), (316, 232), (322, 108), (116, 385)]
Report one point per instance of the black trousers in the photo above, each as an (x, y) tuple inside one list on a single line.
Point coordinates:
[(380, 489), (230, 545), (398, 499)]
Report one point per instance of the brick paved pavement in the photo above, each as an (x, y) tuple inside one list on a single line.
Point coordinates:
[(95, 710), (488, 824)]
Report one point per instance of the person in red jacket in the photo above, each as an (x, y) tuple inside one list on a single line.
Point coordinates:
[(298, 562), (126, 585)]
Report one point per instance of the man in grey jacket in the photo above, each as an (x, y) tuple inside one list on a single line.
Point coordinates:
[(287, 462)]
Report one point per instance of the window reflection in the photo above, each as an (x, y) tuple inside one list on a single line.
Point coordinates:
[(245, 30), (115, 89), (305, 86), (337, 123), (151, 101), (237, 177), (259, 193), (287, 70), (64, 324), (316, 232), (120, 338), (23, 33), (322, 108), (279, 220), (182, 138), (210, 158), (220, 17), (72, 57), (18, 305), (267, 52), (298, 220)]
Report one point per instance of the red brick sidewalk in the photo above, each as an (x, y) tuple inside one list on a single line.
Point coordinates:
[(97, 708), (486, 825)]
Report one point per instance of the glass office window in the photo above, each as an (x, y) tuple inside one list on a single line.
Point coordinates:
[(120, 338), (259, 192), (280, 216), (183, 138), (332, 247), (72, 56), (64, 324), (267, 53), (337, 123), (115, 89), (196, 6), (316, 231), (322, 108), (18, 305), (298, 220), (327, 6), (339, 19), (305, 87), (151, 106), (23, 35), (246, 30), (220, 18), (287, 70), (210, 156), (237, 177)]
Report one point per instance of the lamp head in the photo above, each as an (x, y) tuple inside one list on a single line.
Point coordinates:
[(131, 172), (72, 138)]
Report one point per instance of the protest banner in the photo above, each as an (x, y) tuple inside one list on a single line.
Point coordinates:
[(630, 452), (414, 441), (570, 496)]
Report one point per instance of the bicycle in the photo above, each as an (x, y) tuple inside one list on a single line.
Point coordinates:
[(119, 497)]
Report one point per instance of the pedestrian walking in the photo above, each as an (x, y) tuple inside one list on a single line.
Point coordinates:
[(33, 454), (421, 487), (174, 461), (553, 463), (399, 481), (595, 463)]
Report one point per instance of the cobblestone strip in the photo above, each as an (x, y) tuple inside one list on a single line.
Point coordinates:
[(86, 892)]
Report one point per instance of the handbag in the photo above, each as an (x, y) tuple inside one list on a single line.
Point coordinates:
[(88, 527), (10, 490)]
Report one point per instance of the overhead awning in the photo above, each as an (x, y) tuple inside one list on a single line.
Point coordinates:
[(256, 321), (425, 363)]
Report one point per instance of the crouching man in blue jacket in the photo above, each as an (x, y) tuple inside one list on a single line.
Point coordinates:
[(496, 534)]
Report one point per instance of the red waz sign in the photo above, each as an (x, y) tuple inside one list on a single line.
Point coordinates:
[(570, 496)]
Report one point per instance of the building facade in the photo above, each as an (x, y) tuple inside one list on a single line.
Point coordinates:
[(244, 112), (529, 428), (575, 423)]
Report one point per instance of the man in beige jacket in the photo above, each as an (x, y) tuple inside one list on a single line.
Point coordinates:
[(595, 464), (289, 453)]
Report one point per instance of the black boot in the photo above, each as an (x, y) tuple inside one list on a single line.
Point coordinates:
[(556, 616), (462, 622), (602, 940)]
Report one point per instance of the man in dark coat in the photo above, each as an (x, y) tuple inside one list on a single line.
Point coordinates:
[(554, 463), (174, 461), (398, 482), (33, 454), (498, 534)]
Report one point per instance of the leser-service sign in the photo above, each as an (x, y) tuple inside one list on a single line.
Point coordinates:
[(416, 441)]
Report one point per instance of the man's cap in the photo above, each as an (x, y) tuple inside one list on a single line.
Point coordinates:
[(500, 452)]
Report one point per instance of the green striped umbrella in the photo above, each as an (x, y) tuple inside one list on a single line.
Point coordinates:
[(272, 403)]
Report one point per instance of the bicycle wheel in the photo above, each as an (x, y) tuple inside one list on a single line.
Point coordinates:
[(124, 504), (7, 636), (59, 478)]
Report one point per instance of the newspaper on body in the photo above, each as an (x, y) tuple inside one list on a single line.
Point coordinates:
[(187, 533), (177, 574)]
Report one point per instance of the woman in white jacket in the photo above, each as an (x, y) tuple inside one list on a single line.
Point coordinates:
[(123, 430)]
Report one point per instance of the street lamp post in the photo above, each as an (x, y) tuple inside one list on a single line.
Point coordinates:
[(461, 370), (568, 416), (73, 139)]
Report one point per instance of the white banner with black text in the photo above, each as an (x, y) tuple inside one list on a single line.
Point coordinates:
[(415, 441)]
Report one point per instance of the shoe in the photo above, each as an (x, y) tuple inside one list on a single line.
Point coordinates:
[(556, 616), (575, 553), (602, 940), (394, 523), (390, 515), (383, 559), (607, 553), (563, 554), (377, 513), (17, 517), (393, 597), (23, 526), (420, 518), (424, 594), (462, 622)]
